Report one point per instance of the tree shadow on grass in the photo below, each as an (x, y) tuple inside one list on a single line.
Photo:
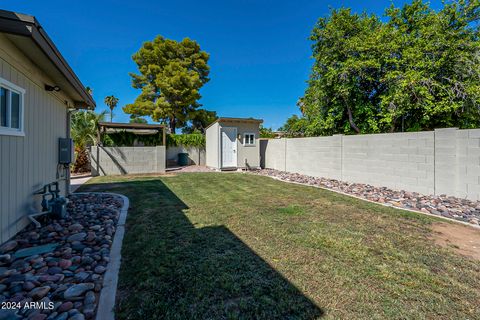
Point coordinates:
[(174, 270)]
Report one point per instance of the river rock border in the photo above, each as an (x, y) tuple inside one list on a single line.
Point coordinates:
[(67, 268), (446, 207), (106, 304)]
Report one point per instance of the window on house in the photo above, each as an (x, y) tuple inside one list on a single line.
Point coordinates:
[(249, 139), (11, 108)]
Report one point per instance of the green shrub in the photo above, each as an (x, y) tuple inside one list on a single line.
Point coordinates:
[(127, 139), (186, 140)]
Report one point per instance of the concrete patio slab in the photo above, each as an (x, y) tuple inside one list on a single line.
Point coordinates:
[(77, 181)]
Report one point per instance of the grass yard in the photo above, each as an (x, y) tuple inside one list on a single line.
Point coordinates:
[(238, 246)]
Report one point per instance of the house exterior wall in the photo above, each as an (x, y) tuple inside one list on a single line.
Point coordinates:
[(127, 160), (444, 161), (28, 162), (212, 152)]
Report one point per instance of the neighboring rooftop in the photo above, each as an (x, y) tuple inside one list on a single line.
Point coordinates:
[(26, 33), (244, 120)]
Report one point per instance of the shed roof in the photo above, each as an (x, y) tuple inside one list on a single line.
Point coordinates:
[(29, 36), (239, 120)]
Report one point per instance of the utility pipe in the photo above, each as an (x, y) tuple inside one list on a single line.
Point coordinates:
[(31, 217)]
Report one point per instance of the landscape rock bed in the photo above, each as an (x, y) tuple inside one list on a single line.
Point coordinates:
[(56, 271), (442, 205)]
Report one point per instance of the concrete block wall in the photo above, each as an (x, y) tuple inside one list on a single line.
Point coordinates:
[(444, 161), (127, 160), (467, 164), (303, 155), (401, 161), (195, 154), (275, 153)]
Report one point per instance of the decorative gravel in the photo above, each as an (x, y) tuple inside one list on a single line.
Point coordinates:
[(56, 271), (450, 207)]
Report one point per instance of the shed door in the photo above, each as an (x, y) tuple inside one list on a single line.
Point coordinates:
[(229, 147)]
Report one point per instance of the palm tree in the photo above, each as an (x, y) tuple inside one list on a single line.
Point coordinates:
[(89, 90), (111, 102), (84, 130)]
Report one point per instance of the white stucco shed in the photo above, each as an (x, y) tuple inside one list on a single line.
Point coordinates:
[(232, 143)]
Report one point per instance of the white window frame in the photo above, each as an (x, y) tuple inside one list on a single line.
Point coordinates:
[(9, 131), (245, 139)]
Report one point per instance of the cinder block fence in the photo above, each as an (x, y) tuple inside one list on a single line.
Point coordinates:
[(444, 161), (196, 155), (127, 160)]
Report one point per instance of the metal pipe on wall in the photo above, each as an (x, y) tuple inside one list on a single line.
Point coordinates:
[(68, 135)]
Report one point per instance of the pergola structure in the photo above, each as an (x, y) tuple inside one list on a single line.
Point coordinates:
[(138, 128)]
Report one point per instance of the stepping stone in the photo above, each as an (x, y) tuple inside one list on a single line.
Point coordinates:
[(27, 252)]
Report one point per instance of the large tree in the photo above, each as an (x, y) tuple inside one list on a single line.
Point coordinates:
[(170, 76), (418, 70), (295, 126), (266, 132), (199, 120), (135, 119)]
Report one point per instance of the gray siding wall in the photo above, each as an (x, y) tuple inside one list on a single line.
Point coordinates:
[(27, 163), (444, 161), (127, 160), (195, 154), (212, 137)]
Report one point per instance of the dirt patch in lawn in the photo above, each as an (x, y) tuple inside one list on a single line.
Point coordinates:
[(462, 239)]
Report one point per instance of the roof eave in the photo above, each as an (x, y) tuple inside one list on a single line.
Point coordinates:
[(28, 26)]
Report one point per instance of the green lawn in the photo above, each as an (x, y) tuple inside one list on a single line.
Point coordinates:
[(238, 246)]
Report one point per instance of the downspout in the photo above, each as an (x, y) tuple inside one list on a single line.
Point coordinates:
[(68, 135)]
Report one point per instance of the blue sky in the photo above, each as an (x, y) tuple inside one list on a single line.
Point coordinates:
[(259, 51)]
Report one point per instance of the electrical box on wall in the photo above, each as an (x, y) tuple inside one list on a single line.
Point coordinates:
[(65, 151)]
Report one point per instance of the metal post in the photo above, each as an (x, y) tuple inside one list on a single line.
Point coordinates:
[(164, 137)]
